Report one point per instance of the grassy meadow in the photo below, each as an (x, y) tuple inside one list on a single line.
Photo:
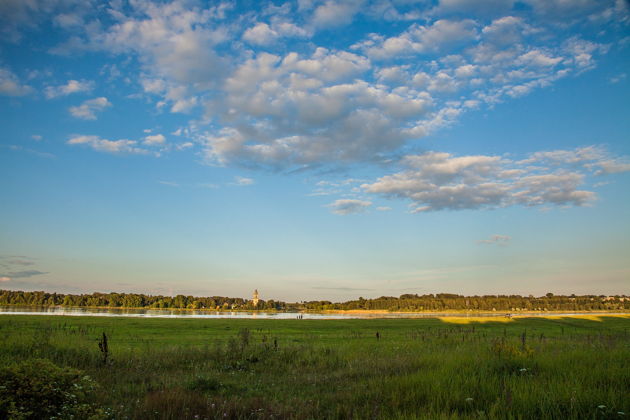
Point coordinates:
[(520, 368)]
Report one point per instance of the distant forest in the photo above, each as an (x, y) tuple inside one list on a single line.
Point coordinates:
[(405, 303)]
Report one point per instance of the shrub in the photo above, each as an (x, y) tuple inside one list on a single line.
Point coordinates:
[(38, 389)]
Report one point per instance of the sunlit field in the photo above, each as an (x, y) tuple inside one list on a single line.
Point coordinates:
[(521, 368)]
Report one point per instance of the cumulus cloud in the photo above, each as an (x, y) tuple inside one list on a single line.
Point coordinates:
[(335, 13), (419, 39), (72, 86), (308, 106), (263, 34), (314, 112), (122, 146), (10, 84), (260, 34), (500, 240), (294, 111), (594, 158), (612, 166), (88, 109), (154, 140), (349, 206), (435, 181), (172, 40)]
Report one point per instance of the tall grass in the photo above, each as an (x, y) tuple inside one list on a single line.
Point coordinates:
[(565, 368)]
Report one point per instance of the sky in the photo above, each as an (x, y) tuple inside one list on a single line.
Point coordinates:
[(315, 149)]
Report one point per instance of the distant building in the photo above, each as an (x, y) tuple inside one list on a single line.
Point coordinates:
[(255, 298)]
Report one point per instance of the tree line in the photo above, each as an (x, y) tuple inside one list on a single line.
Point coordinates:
[(130, 300), (404, 303), (506, 303)]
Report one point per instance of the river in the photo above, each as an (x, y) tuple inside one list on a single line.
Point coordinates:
[(177, 313)]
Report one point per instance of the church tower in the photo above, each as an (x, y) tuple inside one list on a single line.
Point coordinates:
[(255, 298)]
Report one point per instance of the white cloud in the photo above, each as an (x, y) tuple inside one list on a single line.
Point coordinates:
[(172, 40), (154, 140), (260, 34), (397, 75), (153, 85), (184, 104), (315, 110), (537, 58), (612, 166), (36, 137), (349, 206), (579, 155), (594, 158), (10, 84), (88, 109), (4, 279), (439, 181), (72, 86), (263, 34), (417, 39), (335, 13), (309, 106), (506, 30), (122, 146)]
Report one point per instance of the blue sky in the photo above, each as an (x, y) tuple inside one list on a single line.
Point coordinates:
[(315, 149)]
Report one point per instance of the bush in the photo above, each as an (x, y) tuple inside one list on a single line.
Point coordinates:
[(38, 389)]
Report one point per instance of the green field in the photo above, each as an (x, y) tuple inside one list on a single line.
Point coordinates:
[(529, 368)]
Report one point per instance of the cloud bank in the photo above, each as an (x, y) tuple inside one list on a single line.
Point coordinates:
[(435, 181)]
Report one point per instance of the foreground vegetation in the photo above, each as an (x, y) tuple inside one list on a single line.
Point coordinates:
[(439, 302), (522, 368)]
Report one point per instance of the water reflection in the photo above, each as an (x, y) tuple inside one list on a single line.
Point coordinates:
[(179, 313), (159, 313)]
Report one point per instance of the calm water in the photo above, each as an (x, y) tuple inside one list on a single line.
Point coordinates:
[(174, 313)]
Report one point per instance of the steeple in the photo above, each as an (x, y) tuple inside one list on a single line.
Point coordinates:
[(255, 297)]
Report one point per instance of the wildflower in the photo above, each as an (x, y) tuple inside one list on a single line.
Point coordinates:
[(523, 370), (601, 407), (469, 400)]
